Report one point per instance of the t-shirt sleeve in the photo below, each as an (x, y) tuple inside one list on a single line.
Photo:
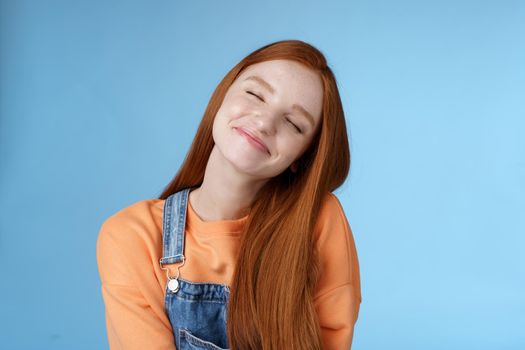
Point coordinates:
[(338, 296), (133, 319)]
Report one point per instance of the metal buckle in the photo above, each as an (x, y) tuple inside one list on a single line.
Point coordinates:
[(173, 286)]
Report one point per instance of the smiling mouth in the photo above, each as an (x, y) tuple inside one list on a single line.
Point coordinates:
[(252, 141)]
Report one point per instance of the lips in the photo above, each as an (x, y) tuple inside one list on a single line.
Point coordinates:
[(254, 139)]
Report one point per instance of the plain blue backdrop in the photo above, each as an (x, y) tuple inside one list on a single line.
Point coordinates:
[(100, 101)]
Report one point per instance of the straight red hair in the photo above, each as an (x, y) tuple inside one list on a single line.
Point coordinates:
[(271, 302)]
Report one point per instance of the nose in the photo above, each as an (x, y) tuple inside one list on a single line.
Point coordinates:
[(266, 122)]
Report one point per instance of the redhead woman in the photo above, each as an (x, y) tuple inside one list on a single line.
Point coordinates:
[(247, 247)]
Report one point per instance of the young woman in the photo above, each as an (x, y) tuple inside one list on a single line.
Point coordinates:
[(247, 247)]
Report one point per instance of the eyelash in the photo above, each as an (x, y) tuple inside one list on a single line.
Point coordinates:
[(288, 120)]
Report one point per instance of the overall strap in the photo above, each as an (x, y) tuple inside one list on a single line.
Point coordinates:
[(173, 227)]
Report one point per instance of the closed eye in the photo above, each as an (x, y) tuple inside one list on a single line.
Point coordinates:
[(251, 93), (297, 128)]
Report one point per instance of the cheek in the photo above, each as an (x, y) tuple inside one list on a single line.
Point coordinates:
[(224, 122), (288, 149), (235, 107)]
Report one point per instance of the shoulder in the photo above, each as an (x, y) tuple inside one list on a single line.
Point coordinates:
[(135, 224), (143, 210), (129, 240), (331, 219), (336, 245)]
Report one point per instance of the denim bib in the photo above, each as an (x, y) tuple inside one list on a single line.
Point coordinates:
[(197, 311)]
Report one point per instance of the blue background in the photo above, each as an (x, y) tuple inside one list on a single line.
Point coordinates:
[(100, 101)]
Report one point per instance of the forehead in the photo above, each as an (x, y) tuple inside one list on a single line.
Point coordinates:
[(281, 69), (290, 81)]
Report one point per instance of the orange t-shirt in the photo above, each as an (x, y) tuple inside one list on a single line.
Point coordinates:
[(129, 247)]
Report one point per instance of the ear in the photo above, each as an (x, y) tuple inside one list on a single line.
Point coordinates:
[(293, 167)]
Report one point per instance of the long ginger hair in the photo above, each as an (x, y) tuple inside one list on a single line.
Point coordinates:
[(271, 302)]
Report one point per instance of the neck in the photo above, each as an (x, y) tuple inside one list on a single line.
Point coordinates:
[(225, 194)]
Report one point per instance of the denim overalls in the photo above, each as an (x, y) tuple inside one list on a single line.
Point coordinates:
[(196, 310)]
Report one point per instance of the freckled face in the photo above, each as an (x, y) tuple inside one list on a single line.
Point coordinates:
[(268, 117)]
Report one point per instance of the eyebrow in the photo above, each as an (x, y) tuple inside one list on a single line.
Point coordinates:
[(295, 106)]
